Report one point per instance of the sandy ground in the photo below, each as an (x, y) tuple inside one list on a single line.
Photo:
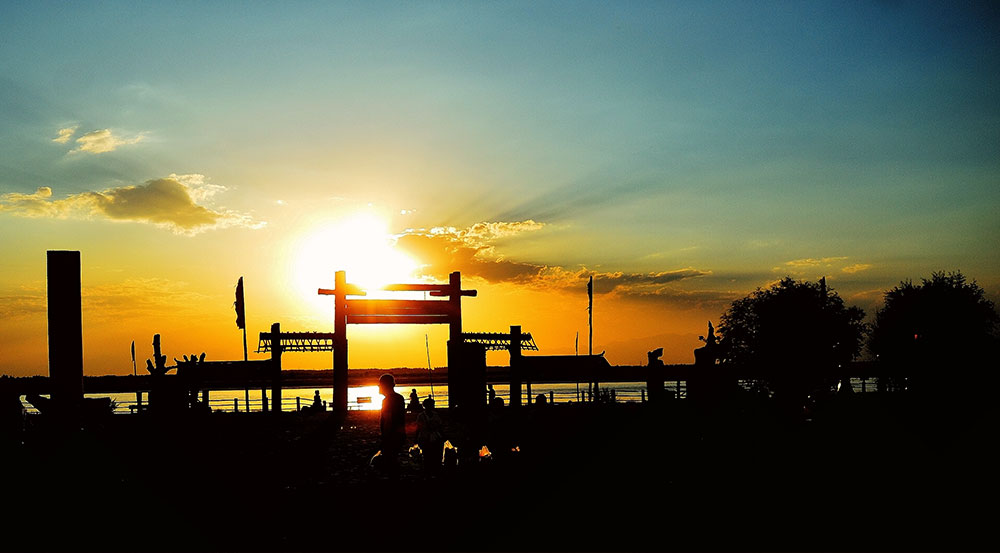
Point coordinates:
[(567, 478)]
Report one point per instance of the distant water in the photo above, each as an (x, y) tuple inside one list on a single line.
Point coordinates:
[(367, 397)]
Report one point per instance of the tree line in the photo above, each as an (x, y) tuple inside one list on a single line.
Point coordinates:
[(799, 332)]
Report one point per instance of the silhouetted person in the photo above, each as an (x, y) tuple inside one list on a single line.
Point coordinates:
[(392, 422), (491, 394), (430, 435), (654, 375), (702, 386), (317, 402), (540, 399), (414, 405)]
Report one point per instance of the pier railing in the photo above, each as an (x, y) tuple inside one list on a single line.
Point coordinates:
[(555, 393)]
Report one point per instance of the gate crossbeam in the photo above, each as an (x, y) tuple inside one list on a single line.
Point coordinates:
[(497, 341), (297, 341)]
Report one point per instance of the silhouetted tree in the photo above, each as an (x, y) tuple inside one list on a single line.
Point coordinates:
[(944, 325), (793, 334)]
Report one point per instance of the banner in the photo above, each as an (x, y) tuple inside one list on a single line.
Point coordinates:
[(240, 313)]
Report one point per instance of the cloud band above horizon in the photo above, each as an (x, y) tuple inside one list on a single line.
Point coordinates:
[(170, 202)]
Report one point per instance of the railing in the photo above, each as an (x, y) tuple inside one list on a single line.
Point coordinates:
[(554, 394)]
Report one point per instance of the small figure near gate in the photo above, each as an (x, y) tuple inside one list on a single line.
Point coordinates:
[(430, 436), (414, 406)]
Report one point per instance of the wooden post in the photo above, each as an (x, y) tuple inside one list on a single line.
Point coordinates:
[(515, 366), (236, 405), (455, 299), (456, 381), (65, 328), (276, 368), (340, 342), (678, 389), (247, 398), (204, 397), (263, 400), (552, 398), (298, 403)]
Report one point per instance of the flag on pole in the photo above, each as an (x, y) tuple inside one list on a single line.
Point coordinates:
[(240, 313), (590, 294)]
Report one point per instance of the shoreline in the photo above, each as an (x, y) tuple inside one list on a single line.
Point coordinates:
[(584, 478)]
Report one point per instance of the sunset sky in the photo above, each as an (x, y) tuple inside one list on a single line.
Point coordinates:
[(681, 153)]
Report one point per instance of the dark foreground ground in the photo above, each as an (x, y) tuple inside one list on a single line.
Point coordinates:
[(862, 475)]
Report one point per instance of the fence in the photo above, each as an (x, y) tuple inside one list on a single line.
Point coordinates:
[(558, 393)]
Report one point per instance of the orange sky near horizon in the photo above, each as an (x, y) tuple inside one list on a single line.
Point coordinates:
[(192, 320)]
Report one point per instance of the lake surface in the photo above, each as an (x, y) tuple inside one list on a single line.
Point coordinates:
[(368, 397)]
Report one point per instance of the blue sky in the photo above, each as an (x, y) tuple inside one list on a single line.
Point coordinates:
[(735, 141)]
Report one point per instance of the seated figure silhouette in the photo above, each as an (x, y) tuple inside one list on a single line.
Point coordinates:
[(654, 375), (414, 406), (316, 406), (430, 435), (707, 354)]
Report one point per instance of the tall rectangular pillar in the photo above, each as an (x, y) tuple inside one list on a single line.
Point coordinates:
[(65, 328)]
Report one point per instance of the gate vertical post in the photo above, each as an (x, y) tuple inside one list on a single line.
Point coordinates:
[(340, 342), (276, 367), (456, 384)]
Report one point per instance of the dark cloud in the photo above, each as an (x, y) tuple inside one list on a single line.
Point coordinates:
[(471, 251), (171, 202), (642, 282), (441, 254), (165, 201)]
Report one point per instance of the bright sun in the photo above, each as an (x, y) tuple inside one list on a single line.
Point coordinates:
[(361, 245)]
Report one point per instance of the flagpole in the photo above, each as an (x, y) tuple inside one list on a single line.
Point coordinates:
[(430, 371), (576, 346), (590, 315), (590, 324)]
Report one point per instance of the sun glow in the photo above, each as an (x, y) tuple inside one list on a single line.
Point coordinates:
[(360, 245)]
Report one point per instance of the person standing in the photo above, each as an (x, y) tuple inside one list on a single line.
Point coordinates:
[(392, 423)]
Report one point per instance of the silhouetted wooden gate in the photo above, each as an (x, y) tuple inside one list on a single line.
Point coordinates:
[(378, 311)]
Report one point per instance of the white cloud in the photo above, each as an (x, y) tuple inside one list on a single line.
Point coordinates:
[(64, 135), (857, 268), (102, 141), (813, 262)]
